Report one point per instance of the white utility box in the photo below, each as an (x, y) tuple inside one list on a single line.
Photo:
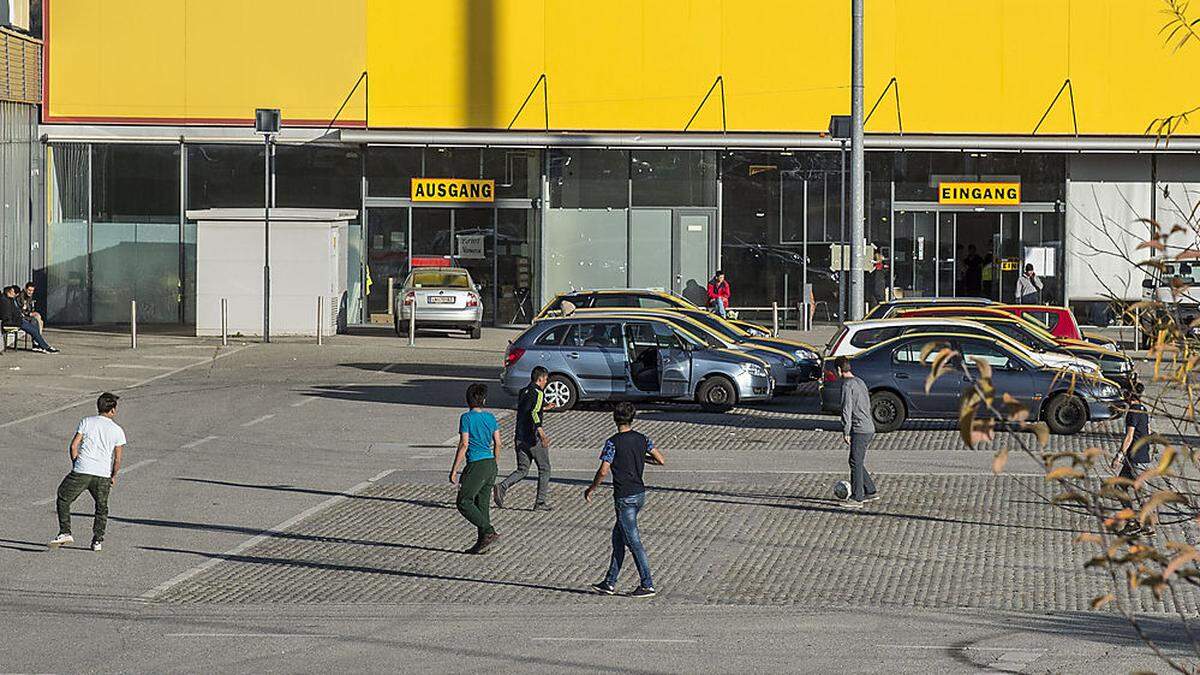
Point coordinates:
[(308, 260)]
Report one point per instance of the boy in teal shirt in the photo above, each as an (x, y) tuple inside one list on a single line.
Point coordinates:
[(479, 445)]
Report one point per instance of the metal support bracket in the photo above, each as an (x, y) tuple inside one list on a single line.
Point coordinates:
[(545, 102), (1066, 85), (362, 79), (720, 81), (894, 85)]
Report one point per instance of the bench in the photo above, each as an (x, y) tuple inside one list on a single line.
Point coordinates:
[(15, 333)]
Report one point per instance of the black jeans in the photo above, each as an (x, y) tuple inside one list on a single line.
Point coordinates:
[(861, 485), (539, 455)]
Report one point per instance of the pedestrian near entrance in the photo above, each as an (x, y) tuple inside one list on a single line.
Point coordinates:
[(532, 443), (478, 446), (625, 455), (857, 431), (718, 294), (1029, 287), (95, 452), (1134, 457)]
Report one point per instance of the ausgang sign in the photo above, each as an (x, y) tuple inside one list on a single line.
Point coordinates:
[(979, 194), (453, 190)]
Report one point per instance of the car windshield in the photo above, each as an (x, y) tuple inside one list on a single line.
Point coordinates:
[(439, 279)]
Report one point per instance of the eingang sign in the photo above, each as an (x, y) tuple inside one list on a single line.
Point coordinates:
[(980, 194), (453, 190)]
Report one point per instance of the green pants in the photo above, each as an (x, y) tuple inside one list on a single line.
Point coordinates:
[(69, 490), (475, 493)]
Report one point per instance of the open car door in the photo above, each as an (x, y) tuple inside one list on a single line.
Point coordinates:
[(674, 363)]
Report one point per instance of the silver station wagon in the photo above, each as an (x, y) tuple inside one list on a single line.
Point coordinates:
[(444, 297), (617, 358)]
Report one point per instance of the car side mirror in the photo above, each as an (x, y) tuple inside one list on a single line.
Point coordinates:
[(1014, 364)]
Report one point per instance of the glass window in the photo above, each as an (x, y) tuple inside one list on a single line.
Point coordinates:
[(910, 352), (989, 353), (614, 300), (1047, 319), (67, 235), (453, 162), (1042, 176), (516, 265), (873, 336), (674, 177), (318, 177), (584, 249), (641, 335), (588, 179), (666, 337), (438, 279), (651, 302), (135, 248), (387, 256), (553, 337), (390, 170), (224, 176), (517, 172), (602, 335)]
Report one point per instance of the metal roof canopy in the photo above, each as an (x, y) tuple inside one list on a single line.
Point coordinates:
[(58, 133)]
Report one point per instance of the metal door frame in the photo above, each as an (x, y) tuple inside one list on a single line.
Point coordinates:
[(677, 213)]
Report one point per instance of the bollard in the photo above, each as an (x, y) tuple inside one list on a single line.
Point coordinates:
[(774, 319), (320, 323), (412, 322), (391, 294), (133, 324), (224, 322)]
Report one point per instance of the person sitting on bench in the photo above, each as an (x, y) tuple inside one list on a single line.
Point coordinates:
[(10, 317)]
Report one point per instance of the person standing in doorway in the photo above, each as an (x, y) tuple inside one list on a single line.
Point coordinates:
[(625, 455), (479, 446), (972, 272), (1029, 287), (532, 443), (95, 452), (857, 431), (718, 294)]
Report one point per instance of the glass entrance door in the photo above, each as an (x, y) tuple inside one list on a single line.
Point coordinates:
[(462, 237), (387, 258)]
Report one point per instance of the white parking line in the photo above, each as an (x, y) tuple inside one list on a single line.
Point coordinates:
[(137, 383), (115, 378), (209, 347), (256, 420), (174, 357), (251, 635), (197, 443), (135, 366), (304, 402), (637, 640)]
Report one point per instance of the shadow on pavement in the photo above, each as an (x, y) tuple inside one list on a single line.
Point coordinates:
[(486, 373), (312, 564), (430, 392), (314, 491), (24, 546)]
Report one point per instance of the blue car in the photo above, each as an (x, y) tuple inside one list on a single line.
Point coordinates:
[(895, 374), (594, 358)]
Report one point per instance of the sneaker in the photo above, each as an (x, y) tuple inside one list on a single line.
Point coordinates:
[(52, 350), (852, 504), (97, 546), (498, 496), (643, 592), (39, 350), (873, 497), (604, 588), (61, 540), (487, 541), (543, 507)]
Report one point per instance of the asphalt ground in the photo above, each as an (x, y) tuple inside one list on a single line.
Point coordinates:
[(284, 507)]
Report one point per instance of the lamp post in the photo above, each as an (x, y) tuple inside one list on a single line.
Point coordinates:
[(266, 122), (839, 128), (857, 234)]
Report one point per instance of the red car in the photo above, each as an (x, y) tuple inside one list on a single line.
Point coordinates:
[(1059, 321)]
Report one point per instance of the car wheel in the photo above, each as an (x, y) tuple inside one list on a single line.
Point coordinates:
[(887, 411), (476, 332), (717, 394), (1066, 414), (560, 392)]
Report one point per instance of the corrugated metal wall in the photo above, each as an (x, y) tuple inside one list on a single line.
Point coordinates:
[(19, 173)]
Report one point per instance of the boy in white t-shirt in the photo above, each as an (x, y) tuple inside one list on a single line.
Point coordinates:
[(95, 460)]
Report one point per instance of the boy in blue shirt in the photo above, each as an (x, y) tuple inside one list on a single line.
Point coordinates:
[(479, 445)]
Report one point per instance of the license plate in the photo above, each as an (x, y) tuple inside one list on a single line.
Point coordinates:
[(441, 300)]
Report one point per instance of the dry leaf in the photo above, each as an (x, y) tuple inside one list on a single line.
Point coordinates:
[(1151, 243), (1156, 500), (999, 460), (1102, 600), (1063, 473), (1088, 538), (985, 368), (1179, 561)]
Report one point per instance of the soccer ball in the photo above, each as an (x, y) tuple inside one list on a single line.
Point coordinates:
[(841, 489)]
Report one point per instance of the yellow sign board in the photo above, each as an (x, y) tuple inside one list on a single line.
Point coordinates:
[(453, 190), (980, 194), (1010, 265)]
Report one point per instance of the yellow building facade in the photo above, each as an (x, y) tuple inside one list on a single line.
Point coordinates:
[(954, 67)]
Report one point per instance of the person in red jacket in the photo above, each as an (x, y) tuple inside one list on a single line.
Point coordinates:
[(718, 294)]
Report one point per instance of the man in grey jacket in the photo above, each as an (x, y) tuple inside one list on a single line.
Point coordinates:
[(857, 431)]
